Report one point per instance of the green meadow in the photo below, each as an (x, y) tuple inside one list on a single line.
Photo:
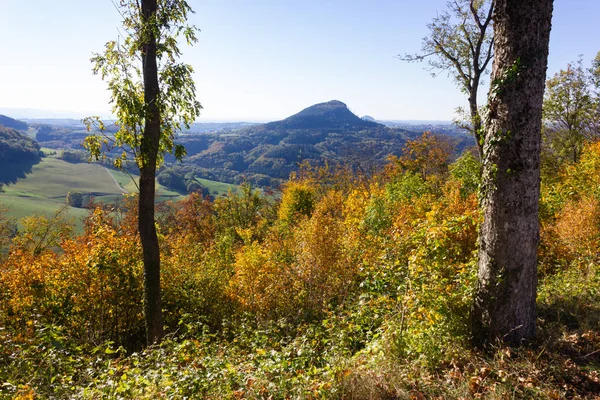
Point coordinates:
[(217, 188), (45, 189)]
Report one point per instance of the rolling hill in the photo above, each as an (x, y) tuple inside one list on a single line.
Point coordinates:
[(9, 122), (45, 188), (267, 153)]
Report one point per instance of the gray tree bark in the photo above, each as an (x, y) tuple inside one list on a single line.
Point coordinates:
[(504, 306)]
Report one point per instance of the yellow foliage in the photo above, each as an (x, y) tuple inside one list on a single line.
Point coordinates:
[(297, 201), (264, 281), (297, 274), (324, 269)]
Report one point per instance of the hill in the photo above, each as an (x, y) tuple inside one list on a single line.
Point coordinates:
[(330, 115), (266, 154), (9, 122), (18, 153)]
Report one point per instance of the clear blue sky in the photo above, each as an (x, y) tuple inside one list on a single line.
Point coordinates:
[(260, 59)]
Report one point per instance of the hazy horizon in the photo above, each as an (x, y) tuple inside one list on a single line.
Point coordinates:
[(40, 114), (261, 61)]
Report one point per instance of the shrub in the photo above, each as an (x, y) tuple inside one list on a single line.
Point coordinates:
[(297, 201), (92, 288), (300, 273), (75, 199)]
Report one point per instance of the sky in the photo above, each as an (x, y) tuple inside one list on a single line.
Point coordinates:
[(259, 60)]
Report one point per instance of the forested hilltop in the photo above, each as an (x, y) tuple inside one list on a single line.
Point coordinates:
[(8, 122)]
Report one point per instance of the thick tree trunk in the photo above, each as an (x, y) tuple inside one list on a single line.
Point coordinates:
[(149, 152), (504, 306)]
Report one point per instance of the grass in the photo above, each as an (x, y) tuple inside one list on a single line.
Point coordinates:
[(45, 189), (130, 185), (217, 188), (53, 179), (20, 207)]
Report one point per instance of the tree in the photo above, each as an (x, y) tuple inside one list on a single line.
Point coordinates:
[(153, 95), (75, 199), (172, 179), (571, 111), (504, 306), (461, 43), (428, 156), (193, 186), (595, 74)]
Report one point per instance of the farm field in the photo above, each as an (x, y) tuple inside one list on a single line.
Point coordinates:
[(217, 188), (44, 190)]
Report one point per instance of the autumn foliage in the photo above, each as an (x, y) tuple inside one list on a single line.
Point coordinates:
[(337, 265)]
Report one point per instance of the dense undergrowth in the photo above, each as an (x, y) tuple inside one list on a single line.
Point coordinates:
[(349, 286)]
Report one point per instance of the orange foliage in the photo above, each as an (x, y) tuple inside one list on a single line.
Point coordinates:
[(428, 156), (103, 276), (93, 286), (408, 234), (578, 229), (570, 233), (193, 218)]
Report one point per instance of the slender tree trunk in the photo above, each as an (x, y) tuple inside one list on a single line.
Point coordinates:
[(504, 306), (475, 117), (149, 152)]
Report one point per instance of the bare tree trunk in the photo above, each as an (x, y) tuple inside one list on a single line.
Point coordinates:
[(149, 152), (507, 278), (475, 117)]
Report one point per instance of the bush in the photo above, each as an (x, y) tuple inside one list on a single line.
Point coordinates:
[(172, 179), (75, 199), (297, 201), (92, 287)]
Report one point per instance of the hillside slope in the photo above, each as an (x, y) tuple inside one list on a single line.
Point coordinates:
[(9, 122), (18, 153)]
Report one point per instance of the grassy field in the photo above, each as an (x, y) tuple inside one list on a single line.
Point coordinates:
[(53, 179), (217, 188), (45, 189)]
